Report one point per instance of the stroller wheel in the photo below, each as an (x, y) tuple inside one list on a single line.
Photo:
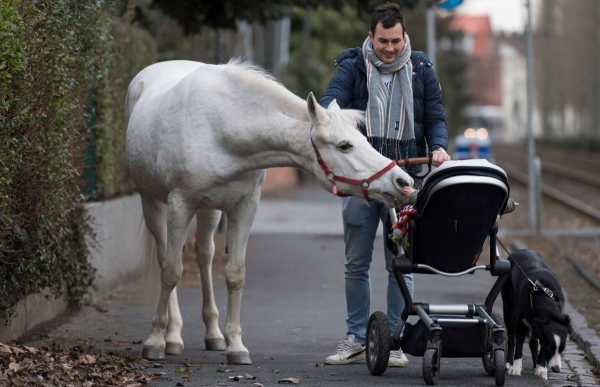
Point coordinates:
[(500, 364), (488, 356), (378, 343), (431, 366)]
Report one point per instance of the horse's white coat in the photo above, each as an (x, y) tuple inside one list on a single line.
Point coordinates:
[(199, 138)]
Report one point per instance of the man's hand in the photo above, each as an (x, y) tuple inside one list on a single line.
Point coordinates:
[(438, 156)]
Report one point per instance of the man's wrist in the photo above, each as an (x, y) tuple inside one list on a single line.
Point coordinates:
[(436, 148)]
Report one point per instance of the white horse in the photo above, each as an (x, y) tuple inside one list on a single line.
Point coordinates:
[(199, 138)]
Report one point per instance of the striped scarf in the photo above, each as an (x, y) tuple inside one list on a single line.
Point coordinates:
[(390, 113)]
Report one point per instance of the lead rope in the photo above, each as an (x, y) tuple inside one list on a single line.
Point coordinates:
[(537, 285)]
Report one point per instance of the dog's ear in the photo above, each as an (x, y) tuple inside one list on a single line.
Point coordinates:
[(565, 320), (537, 327)]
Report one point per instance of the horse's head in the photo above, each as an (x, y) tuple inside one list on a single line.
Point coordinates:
[(348, 161)]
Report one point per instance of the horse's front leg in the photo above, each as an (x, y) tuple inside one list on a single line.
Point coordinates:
[(238, 228), (178, 218), (205, 249)]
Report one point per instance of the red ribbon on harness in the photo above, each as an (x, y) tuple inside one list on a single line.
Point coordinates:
[(405, 214)]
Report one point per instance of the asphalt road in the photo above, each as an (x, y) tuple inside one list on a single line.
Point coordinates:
[(293, 310)]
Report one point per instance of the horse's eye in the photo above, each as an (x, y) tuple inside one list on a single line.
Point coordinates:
[(345, 146)]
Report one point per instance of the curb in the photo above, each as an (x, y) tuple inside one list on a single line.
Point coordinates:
[(585, 337)]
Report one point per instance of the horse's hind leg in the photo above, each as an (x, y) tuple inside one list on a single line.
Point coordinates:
[(169, 242), (205, 249)]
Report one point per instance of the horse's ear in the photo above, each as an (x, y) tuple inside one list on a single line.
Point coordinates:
[(317, 114), (333, 105)]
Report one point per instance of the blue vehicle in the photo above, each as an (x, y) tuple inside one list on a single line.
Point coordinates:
[(482, 125)]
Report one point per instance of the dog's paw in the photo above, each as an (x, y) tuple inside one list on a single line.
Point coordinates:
[(542, 372), (516, 368)]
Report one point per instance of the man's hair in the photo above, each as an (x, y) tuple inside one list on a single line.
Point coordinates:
[(389, 15)]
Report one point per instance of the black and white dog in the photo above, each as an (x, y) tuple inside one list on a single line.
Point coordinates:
[(533, 304)]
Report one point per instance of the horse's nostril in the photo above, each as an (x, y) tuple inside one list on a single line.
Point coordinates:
[(556, 369), (402, 183)]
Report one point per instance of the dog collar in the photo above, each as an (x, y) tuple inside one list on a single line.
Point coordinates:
[(537, 286)]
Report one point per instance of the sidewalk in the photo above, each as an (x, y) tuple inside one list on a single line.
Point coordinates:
[(293, 311)]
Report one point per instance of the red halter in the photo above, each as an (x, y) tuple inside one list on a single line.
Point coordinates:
[(364, 184)]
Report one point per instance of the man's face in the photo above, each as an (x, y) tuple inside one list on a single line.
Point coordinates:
[(388, 43)]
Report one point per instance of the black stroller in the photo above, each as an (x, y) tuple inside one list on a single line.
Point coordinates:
[(457, 208)]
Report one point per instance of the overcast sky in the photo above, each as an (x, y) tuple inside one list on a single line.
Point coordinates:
[(505, 15)]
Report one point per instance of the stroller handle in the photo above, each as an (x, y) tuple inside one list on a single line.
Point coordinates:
[(413, 161)]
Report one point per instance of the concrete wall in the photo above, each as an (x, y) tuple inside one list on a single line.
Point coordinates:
[(116, 255)]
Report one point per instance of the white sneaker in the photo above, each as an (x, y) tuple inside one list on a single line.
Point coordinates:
[(347, 352), (397, 359)]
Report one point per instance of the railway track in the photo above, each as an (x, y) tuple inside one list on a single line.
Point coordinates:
[(572, 180), (570, 237)]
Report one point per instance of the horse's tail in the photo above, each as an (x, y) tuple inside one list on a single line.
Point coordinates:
[(150, 268), (133, 95)]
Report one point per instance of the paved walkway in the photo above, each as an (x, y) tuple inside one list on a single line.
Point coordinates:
[(314, 211), (293, 311)]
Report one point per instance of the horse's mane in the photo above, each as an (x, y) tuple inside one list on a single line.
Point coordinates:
[(260, 80), (267, 86)]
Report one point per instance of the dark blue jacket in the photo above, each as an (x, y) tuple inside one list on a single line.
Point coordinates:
[(349, 88)]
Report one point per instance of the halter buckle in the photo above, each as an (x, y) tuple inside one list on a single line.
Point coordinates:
[(330, 175), (365, 183)]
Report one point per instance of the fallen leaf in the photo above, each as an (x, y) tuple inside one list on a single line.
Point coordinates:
[(289, 381), (223, 367), (88, 359), (249, 377), (257, 384), (320, 365), (76, 366), (101, 309), (30, 349), (236, 378), (221, 384), (181, 370)]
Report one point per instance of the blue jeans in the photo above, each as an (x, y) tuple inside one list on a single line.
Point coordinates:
[(361, 220)]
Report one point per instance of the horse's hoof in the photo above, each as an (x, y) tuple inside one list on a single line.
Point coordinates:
[(174, 349), (239, 358), (151, 353), (215, 344)]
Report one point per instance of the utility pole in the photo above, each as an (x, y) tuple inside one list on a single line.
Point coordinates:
[(595, 132), (430, 25), (534, 164)]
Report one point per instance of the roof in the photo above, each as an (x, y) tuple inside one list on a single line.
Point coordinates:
[(472, 24)]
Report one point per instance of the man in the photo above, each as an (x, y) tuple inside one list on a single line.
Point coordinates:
[(401, 96)]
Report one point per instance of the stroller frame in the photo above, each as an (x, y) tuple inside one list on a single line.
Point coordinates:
[(475, 320)]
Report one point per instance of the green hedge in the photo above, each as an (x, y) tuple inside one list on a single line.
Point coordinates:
[(53, 55), (131, 49)]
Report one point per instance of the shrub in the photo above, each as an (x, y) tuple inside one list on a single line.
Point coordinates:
[(55, 54)]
